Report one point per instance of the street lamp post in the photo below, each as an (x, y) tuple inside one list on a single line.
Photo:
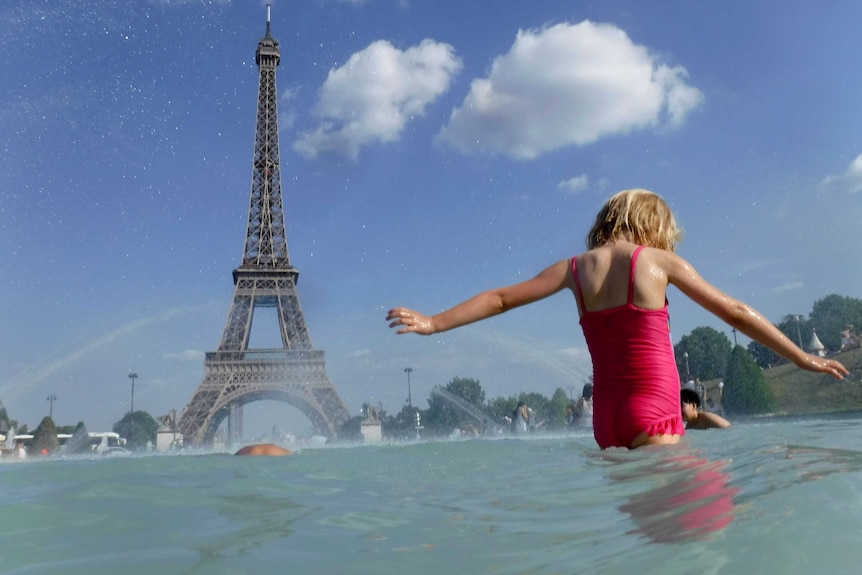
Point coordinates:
[(798, 318), (133, 376), (408, 371), (687, 371), (51, 399)]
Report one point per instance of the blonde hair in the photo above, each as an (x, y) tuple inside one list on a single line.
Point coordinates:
[(639, 216)]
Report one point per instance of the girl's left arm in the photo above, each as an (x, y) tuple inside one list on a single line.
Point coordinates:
[(743, 317)]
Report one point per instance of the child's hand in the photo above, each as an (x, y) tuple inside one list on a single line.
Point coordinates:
[(822, 365), (413, 321)]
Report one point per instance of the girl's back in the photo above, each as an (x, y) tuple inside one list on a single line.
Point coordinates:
[(604, 277)]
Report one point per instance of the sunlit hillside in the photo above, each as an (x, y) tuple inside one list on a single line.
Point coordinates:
[(797, 391)]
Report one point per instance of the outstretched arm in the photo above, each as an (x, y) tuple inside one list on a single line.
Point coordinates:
[(486, 304), (744, 318), (707, 419)]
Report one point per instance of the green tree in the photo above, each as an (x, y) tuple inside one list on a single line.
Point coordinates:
[(795, 327), (6, 424), (138, 428), (764, 357), (557, 405), (831, 315), (469, 389), (69, 428), (745, 389), (403, 425), (500, 408), (351, 430), (45, 437), (708, 350), (444, 414)]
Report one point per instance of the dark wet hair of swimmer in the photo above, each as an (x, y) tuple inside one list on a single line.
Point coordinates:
[(690, 396)]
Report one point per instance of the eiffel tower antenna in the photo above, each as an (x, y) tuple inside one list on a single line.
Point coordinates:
[(235, 375)]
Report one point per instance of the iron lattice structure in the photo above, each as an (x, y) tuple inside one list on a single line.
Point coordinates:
[(235, 375)]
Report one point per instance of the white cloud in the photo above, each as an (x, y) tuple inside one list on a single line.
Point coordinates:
[(373, 96), (574, 185), (287, 114), (568, 84), (850, 180)]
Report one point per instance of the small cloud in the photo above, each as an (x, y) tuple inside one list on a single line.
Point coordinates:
[(189, 355), (568, 84), (574, 185), (288, 95), (788, 287), (287, 114), (360, 353), (286, 119), (850, 180), (373, 96)]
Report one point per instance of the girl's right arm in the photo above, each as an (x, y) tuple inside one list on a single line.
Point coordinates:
[(486, 304), (743, 317)]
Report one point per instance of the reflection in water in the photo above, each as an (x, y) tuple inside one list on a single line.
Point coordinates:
[(692, 501), (782, 466)]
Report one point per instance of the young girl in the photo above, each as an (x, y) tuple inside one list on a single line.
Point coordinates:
[(620, 286)]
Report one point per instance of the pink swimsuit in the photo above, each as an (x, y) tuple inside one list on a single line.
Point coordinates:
[(635, 378)]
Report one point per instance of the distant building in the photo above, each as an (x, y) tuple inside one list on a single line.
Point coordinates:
[(850, 339)]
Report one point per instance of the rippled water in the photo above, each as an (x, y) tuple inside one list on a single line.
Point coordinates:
[(770, 497)]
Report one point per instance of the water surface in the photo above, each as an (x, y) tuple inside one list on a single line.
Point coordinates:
[(779, 496)]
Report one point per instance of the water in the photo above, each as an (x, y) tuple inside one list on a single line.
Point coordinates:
[(770, 497)]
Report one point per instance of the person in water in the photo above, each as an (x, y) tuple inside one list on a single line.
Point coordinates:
[(263, 449), (584, 407), (695, 418), (520, 419), (620, 288)]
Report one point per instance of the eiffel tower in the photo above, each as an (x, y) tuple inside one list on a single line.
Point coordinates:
[(235, 375)]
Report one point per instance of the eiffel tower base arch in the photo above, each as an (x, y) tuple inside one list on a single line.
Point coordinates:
[(233, 379)]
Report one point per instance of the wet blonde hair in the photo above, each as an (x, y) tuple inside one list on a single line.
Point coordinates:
[(639, 216)]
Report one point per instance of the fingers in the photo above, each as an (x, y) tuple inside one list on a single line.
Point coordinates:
[(401, 316), (831, 366), (835, 368), (838, 369)]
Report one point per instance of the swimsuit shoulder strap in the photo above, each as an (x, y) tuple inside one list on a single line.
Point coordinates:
[(632, 274), (578, 284)]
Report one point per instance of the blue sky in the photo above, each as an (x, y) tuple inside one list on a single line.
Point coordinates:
[(429, 149)]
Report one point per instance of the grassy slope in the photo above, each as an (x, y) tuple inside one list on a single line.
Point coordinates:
[(797, 391)]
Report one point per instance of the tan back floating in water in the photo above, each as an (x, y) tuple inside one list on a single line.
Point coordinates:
[(263, 449)]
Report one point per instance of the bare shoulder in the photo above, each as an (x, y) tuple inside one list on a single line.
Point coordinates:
[(673, 266), (663, 257)]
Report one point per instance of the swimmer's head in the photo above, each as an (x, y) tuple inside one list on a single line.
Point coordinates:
[(639, 216), (690, 403), (689, 396)]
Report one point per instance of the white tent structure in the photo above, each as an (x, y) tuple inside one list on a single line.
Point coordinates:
[(816, 346)]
